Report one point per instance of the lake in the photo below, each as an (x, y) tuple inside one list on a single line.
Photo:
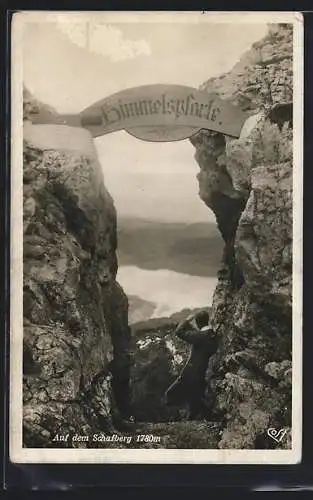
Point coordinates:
[(162, 292)]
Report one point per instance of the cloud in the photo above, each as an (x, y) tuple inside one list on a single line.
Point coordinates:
[(104, 39)]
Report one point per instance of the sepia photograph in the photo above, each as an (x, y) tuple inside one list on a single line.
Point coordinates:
[(156, 257)]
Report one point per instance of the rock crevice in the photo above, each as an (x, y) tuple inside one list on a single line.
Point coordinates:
[(247, 182)]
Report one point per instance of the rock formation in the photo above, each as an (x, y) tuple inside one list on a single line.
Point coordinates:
[(247, 182), (75, 313)]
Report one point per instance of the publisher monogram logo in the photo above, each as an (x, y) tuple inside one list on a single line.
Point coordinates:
[(275, 434)]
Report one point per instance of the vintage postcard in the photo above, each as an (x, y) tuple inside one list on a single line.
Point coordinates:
[(156, 262)]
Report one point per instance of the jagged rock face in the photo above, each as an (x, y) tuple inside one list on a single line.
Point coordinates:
[(263, 76), (247, 182), (75, 314)]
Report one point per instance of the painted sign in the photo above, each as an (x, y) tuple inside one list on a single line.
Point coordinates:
[(158, 113)]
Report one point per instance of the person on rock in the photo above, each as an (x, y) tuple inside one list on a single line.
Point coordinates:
[(190, 386)]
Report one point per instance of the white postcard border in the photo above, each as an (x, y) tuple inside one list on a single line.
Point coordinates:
[(17, 453)]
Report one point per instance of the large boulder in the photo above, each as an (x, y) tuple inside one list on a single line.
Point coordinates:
[(247, 182), (75, 313)]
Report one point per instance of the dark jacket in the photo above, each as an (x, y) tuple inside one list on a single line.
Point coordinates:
[(190, 383)]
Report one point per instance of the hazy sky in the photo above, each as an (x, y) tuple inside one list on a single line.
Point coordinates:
[(68, 70)]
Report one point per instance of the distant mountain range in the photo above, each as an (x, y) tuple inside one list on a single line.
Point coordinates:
[(193, 249), (140, 309), (157, 323)]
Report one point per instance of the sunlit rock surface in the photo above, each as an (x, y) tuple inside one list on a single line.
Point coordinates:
[(75, 313), (247, 182)]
